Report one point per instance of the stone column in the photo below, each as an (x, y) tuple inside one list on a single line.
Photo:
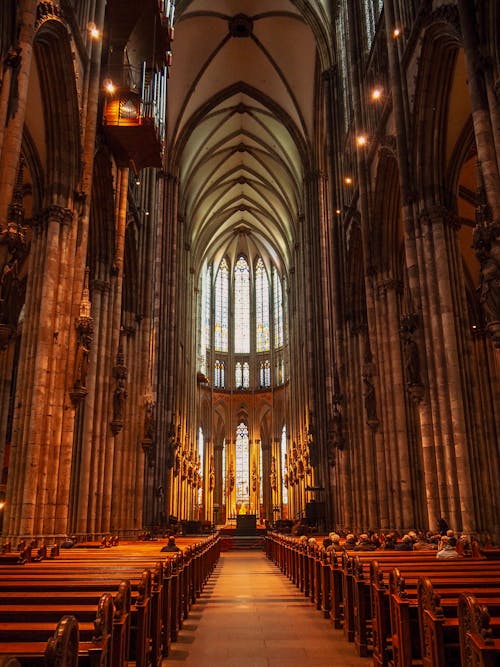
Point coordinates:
[(13, 132)]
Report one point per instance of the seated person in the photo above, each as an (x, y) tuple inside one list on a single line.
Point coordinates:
[(334, 542), (447, 550), (350, 541), (171, 545), (389, 541), (364, 543), (406, 544)]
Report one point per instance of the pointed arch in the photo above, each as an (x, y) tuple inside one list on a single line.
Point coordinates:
[(52, 51)]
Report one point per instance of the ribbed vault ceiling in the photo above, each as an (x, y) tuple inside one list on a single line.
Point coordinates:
[(241, 118)]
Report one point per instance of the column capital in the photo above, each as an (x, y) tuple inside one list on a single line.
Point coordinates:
[(438, 214), (53, 213)]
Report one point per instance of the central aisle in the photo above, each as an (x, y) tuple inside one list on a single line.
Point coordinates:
[(250, 615)]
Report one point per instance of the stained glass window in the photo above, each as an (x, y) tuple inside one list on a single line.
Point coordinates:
[(278, 309), (246, 375), (342, 30), (262, 337), (222, 308), (242, 465), (201, 453), (371, 13), (261, 477), (283, 465), (238, 375), (219, 373), (224, 470), (205, 317), (242, 306), (265, 374)]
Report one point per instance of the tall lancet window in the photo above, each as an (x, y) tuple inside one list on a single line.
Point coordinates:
[(219, 373), (262, 337), (278, 309), (284, 489), (201, 454), (371, 11), (242, 306), (206, 288), (246, 375), (222, 308), (242, 465), (238, 375)]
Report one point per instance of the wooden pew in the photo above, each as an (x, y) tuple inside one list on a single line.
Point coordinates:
[(366, 617), (63, 648), (97, 570), (439, 623), (479, 642)]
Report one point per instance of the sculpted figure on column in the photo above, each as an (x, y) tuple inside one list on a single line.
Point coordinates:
[(489, 289), (370, 403), (412, 360), (119, 398), (171, 446), (82, 361)]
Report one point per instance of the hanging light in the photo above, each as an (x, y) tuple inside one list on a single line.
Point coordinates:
[(361, 140), (347, 180), (396, 33), (109, 86), (376, 93)]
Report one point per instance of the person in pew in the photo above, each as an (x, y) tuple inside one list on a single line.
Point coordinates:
[(364, 543), (406, 544), (447, 550), (334, 542), (389, 542), (68, 543), (171, 546), (375, 540), (422, 543), (350, 541)]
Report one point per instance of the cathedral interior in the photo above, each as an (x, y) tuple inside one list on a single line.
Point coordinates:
[(250, 265)]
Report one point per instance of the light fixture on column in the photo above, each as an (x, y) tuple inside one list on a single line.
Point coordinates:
[(93, 31), (109, 86)]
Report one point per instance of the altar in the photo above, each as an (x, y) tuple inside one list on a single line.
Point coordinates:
[(246, 524)]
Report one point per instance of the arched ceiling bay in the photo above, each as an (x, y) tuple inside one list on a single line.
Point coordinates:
[(241, 104)]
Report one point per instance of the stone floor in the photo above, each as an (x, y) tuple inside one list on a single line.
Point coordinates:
[(250, 615)]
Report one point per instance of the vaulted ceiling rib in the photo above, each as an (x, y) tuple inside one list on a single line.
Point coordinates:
[(241, 110)]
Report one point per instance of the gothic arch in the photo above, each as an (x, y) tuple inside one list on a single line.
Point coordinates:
[(61, 111), (101, 225), (355, 287), (440, 43), (131, 278), (386, 230)]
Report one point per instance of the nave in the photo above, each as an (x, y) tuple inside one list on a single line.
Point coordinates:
[(250, 615)]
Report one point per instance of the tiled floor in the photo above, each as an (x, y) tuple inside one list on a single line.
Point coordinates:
[(250, 615)]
